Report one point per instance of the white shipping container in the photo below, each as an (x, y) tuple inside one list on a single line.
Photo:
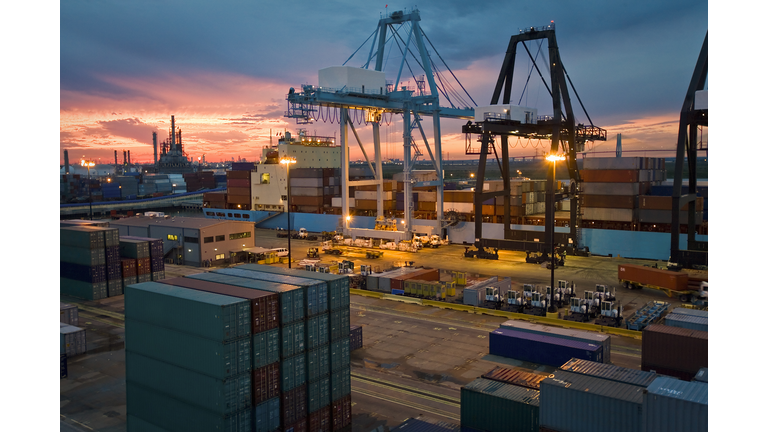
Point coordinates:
[(72, 340), (609, 214), (427, 196)]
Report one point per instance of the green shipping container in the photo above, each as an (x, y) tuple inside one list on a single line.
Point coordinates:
[(81, 236), (340, 354), (292, 339), (317, 331), (208, 357), (499, 407), (82, 256), (293, 372), (223, 397), (177, 416), (338, 285), (266, 348), (339, 324), (83, 290), (136, 424), (291, 297), (318, 362), (212, 316), (341, 384), (115, 287), (319, 394)]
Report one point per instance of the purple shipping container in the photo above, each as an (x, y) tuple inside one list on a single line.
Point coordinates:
[(540, 349), (83, 273), (355, 337)]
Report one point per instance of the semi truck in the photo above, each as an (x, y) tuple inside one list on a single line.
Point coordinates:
[(673, 284)]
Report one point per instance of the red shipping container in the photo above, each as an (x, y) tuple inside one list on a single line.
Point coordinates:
[(299, 426), (294, 405), (143, 266), (610, 176), (674, 351), (341, 413), (425, 275), (128, 266), (665, 203), (266, 383), (238, 175), (320, 420), (237, 183), (609, 201), (648, 276), (265, 305)]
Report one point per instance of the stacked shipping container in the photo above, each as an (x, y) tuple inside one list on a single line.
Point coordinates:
[(313, 189), (239, 189), (674, 351), (83, 265)]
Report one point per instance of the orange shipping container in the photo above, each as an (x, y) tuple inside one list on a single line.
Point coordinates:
[(649, 276), (239, 191), (609, 176), (238, 175), (609, 201)]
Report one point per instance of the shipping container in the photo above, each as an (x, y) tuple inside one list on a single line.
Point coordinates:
[(83, 273), (136, 424), (686, 321), (317, 331), (264, 304), (702, 375), (86, 237), (671, 405), (294, 404), (319, 394), (341, 413), (339, 324), (83, 290), (216, 359), (515, 377), (609, 372), (130, 248), (72, 340), (541, 349), (114, 287), (674, 351), (266, 347), (213, 316), (611, 188), (266, 383), (652, 277), (613, 163), (355, 337), (320, 420), (68, 314), (421, 274), (223, 397), (566, 397), (571, 334), (341, 384), (293, 372), (82, 256), (338, 285), (494, 406), (315, 292), (266, 416), (292, 339), (177, 416), (318, 362), (291, 297), (339, 354), (425, 424)]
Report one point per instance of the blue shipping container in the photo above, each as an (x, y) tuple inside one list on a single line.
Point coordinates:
[(541, 349)]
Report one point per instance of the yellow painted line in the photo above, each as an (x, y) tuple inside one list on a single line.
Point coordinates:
[(110, 314), (402, 299), (364, 378), (75, 421), (112, 323), (409, 404), (365, 293)]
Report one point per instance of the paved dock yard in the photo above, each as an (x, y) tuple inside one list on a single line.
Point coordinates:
[(414, 358)]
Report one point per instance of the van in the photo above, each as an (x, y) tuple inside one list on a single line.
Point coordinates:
[(281, 252)]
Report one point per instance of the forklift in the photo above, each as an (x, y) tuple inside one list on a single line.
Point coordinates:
[(312, 253)]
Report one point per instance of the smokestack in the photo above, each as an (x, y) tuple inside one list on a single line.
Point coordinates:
[(173, 133), (179, 146), (129, 157), (154, 144), (618, 145), (125, 158), (66, 162), (116, 164)]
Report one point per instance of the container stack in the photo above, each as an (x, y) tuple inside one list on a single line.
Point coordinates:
[(130, 275), (673, 405), (216, 200), (188, 352), (129, 186), (138, 250), (355, 337), (239, 189), (674, 351), (111, 190), (611, 188), (177, 182), (495, 406), (83, 269), (313, 189), (198, 180), (68, 314), (72, 340), (156, 253)]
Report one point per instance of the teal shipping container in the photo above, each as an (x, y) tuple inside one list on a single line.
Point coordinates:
[(206, 356), (319, 394), (177, 416), (315, 292), (673, 405), (81, 236), (338, 285), (291, 296), (293, 372), (266, 416), (292, 339), (82, 256), (266, 348), (212, 316), (136, 424), (224, 397), (318, 331), (83, 290), (318, 362), (339, 324), (609, 372), (686, 321), (488, 405), (341, 384), (566, 397), (339, 354), (115, 287)]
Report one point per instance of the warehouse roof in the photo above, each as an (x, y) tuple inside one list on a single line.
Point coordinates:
[(176, 222)]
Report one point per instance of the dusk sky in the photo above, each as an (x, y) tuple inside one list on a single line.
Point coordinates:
[(224, 69)]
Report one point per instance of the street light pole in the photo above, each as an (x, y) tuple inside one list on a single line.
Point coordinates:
[(88, 164), (288, 161), (554, 158)]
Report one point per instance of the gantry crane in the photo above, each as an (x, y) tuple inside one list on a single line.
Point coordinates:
[(561, 129), (373, 104)]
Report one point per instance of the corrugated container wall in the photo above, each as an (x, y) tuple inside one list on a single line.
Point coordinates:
[(540, 349), (494, 406), (609, 372), (674, 351), (570, 334), (671, 405)]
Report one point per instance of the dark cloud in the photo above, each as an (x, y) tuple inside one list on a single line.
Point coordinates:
[(132, 128)]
